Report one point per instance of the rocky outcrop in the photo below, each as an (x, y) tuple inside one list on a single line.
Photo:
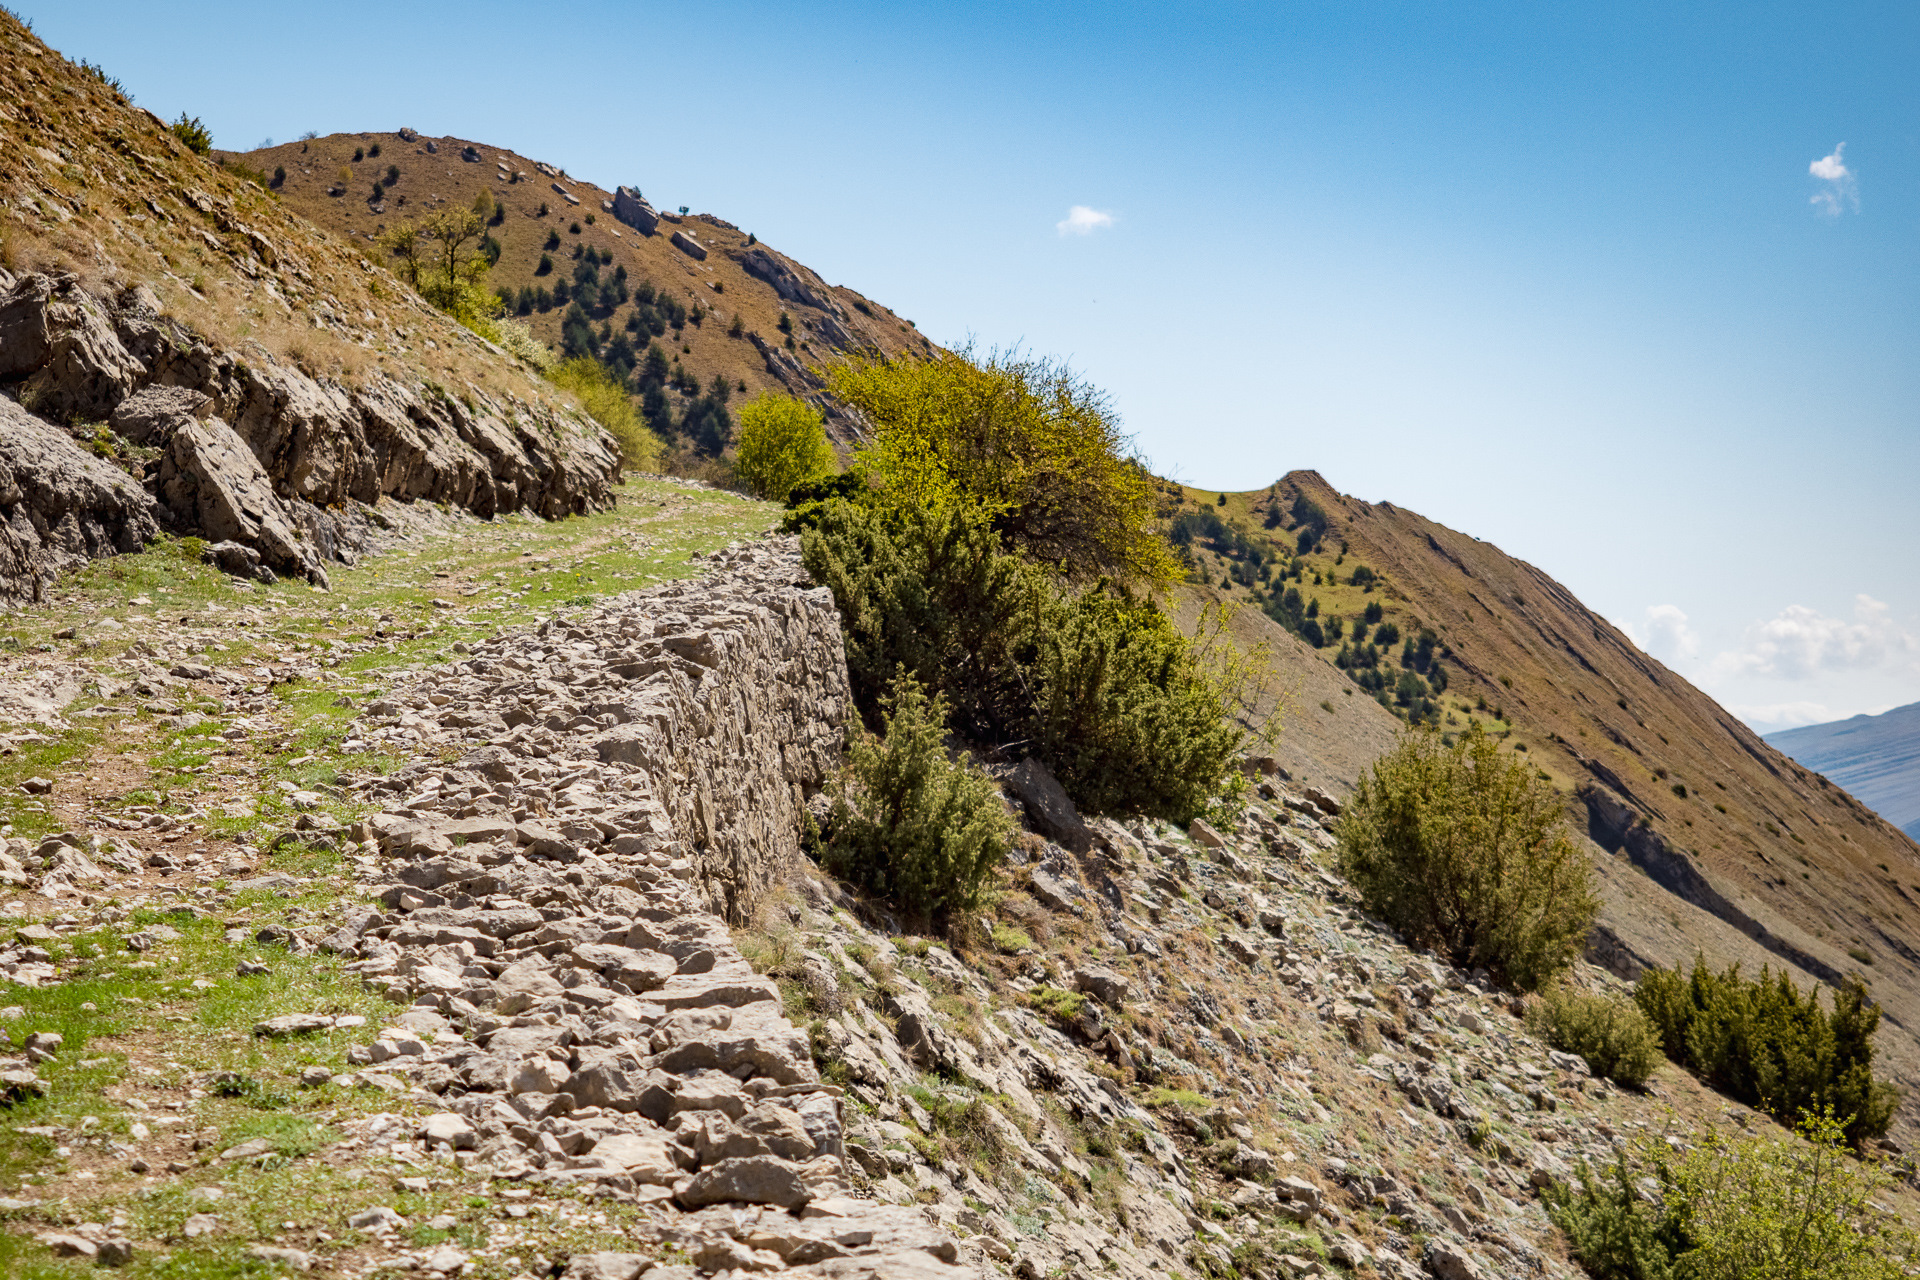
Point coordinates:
[(60, 506), (631, 208), (764, 264), (208, 481), (58, 345), (259, 452), (689, 246)]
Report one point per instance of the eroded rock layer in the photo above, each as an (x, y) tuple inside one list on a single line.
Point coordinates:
[(252, 451)]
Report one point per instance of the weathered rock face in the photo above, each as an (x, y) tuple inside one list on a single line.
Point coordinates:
[(689, 246), (210, 482), (632, 209), (702, 715), (59, 506), (315, 445), (59, 345)]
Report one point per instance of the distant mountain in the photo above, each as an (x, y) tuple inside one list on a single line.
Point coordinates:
[(1877, 758)]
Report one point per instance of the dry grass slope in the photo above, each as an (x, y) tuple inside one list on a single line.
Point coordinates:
[(1707, 838), (826, 320)]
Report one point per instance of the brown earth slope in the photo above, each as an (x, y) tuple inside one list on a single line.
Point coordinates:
[(739, 277), (128, 265), (1708, 839)]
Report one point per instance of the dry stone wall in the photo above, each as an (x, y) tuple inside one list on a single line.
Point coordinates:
[(553, 897), (693, 719)]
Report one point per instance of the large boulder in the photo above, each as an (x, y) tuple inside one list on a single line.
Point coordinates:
[(631, 208), (60, 506), (1049, 808), (689, 246), (211, 482)]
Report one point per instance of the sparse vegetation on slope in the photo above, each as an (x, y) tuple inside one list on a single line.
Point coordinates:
[(910, 824), (1037, 449), (1737, 1209), (1097, 682)]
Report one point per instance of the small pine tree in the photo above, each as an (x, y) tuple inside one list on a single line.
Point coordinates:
[(195, 135), (910, 823)]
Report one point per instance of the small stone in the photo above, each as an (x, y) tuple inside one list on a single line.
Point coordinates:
[(115, 1252), (377, 1219), (449, 1129), (313, 1077), (293, 1024), (293, 1259), (38, 787), (199, 1224), (606, 1266), (248, 1150), (444, 1259), (65, 1245)]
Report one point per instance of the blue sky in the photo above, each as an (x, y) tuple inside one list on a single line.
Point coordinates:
[(1559, 276)]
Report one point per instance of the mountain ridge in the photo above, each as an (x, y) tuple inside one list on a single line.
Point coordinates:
[(1707, 838), (1876, 757), (733, 292)]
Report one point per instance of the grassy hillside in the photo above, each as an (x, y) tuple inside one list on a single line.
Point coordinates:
[(717, 325), (1716, 841)]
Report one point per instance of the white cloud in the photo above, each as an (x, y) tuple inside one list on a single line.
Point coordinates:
[(1800, 644), (1082, 221), (1666, 633), (1841, 191), (1784, 715)]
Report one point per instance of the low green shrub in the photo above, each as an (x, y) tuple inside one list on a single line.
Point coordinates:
[(1126, 716), (1737, 1210), (197, 137), (927, 589), (1614, 1036), (1128, 713), (911, 824), (1769, 1046), (1061, 1006), (1467, 852)]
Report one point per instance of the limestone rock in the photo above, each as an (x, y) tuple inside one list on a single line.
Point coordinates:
[(58, 343), (210, 481), (60, 506), (149, 416), (1103, 984), (747, 1180), (1049, 807), (607, 1266), (631, 208), (689, 246)]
